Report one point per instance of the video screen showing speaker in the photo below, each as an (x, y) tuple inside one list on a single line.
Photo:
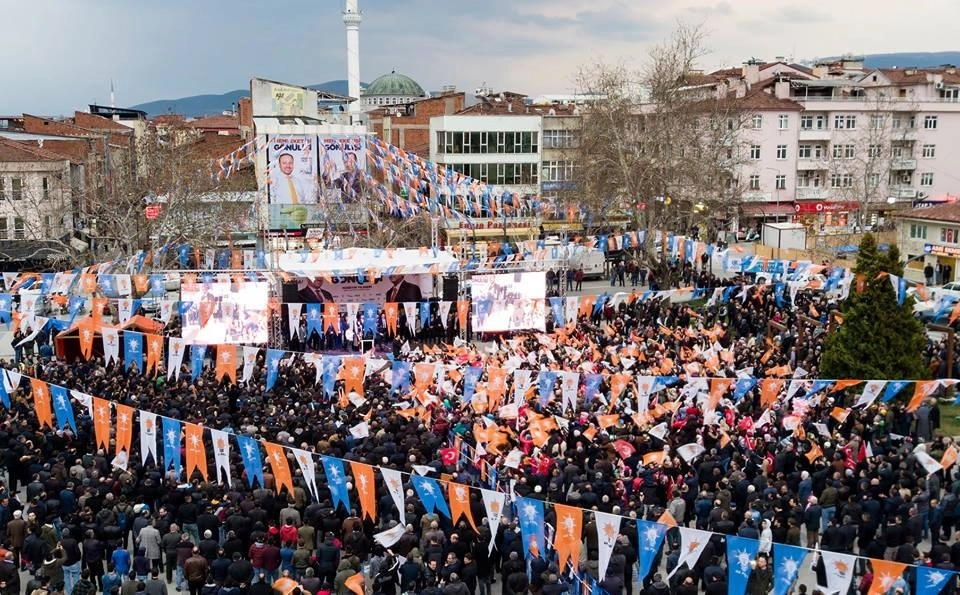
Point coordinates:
[(223, 312), (508, 302)]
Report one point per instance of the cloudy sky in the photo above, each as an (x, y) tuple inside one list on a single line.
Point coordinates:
[(61, 54)]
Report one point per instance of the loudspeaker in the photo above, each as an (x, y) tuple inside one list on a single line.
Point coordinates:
[(451, 287)]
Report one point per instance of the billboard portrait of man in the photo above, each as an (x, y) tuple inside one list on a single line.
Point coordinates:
[(402, 290), (292, 165), (343, 166), (311, 291)]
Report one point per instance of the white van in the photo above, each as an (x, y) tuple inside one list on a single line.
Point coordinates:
[(592, 261)]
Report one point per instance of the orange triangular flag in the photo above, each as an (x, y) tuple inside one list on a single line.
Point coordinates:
[(769, 391), (814, 453), (463, 309), (921, 391), (41, 402), (97, 305), (949, 457), (423, 377), (605, 421), (667, 519), (459, 496), (718, 387), (85, 333), (391, 313), (124, 428), (355, 584), (141, 283), (278, 463), (353, 372), (196, 451), (839, 385), (88, 283), (618, 383), (331, 318), (496, 386), (366, 489), (885, 573), (227, 362), (101, 422), (154, 353), (568, 536)]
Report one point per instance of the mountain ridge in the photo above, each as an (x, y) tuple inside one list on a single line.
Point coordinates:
[(208, 104)]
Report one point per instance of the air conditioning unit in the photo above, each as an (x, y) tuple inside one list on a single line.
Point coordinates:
[(921, 194), (938, 85)]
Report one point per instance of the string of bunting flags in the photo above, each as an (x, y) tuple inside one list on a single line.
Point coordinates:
[(186, 447)]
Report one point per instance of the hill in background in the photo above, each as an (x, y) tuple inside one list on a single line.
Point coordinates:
[(206, 105)]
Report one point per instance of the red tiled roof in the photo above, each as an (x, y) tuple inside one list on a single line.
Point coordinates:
[(949, 212), (759, 99), (23, 152), (219, 122)]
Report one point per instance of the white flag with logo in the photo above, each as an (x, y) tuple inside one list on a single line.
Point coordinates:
[(692, 544), (308, 467), (690, 451), (659, 431), (148, 436), (124, 309), (608, 528), (84, 399), (522, 379), (123, 284), (111, 344), (410, 311), (569, 383), (166, 310), (221, 455), (317, 361), (929, 464), (871, 390), (353, 308), (293, 317), (445, 312), (839, 570), (390, 536), (249, 360), (571, 308), (174, 356), (493, 503), (395, 486)]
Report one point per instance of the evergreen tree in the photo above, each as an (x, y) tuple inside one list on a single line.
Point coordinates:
[(879, 339)]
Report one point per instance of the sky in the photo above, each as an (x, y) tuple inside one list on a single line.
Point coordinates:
[(60, 55)]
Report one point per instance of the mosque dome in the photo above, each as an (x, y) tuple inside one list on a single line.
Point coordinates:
[(391, 89)]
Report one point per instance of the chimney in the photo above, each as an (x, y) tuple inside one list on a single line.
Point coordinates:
[(781, 88), (751, 70)]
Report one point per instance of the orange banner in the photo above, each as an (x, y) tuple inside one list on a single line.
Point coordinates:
[(459, 496), (41, 402), (770, 390), (196, 451), (366, 488), (101, 422), (391, 312), (227, 362), (839, 385), (496, 387), (568, 535), (463, 310), (85, 333), (922, 390), (885, 573), (154, 353), (331, 318), (124, 428), (352, 373), (281, 470), (97, 305)]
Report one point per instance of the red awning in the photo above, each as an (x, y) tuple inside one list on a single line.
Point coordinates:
[(760, 209)]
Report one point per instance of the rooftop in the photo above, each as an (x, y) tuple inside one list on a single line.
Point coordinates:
[(394, 84), (24, 153), (949, 212)]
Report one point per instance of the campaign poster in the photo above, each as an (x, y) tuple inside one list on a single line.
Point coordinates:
[(215, 313), (343, 160), (508, 302), (293, 186), (390, 288)]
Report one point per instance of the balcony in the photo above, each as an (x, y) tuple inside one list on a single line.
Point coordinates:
[(813, 193), (814, 134), (903, 164), (901, 192), (814, 164), (755, 196)]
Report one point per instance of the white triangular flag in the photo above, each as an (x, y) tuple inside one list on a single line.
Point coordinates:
[(494, 504), (871, 390), (148, 437), (293, 317), (84, 399), (659, 431), (608, 529), (166, 310), (423, 469), (249, 361), (410, 312), (124, 309), (221, 456), (395, 487), (111, 344), (123, 285), (175, 349), (839, 570), (692, 544), (445, 312), (11, 380), (308, 467), (569, 383), (522, 379), (929, 464), (571, 308)]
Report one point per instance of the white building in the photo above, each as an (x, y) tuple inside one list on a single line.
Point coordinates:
[(930, 235), (36, 192)]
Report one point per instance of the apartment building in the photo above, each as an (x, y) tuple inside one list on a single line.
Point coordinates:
[(36, 192)]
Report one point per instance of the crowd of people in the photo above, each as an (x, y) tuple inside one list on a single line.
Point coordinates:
[(77, 524)]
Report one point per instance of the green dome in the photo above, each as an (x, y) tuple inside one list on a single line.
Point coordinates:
[(394, 85)]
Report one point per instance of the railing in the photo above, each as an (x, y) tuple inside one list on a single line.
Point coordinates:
[(903, 164), (878, 100), (811, 193)]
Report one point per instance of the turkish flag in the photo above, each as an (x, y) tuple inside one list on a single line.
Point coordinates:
[(449, 456), (624, 449)]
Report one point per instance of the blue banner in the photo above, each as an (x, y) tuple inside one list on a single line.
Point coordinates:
[(893, 387), (556, 305), (930, 581), (743, 386), (591, 386), (336, 481), (252, 463), (778, 294), (471, 375), (62, 407), (546, 381), (331, 367), (370, 318), (197, 353), (786, 566), (424, 314), (651, 538), (741, 552), (273, 366), (171, 445), (314, 319), (400, 379), (430, 494), (133, 350), (6, 307), (530, 514), (183, 255)]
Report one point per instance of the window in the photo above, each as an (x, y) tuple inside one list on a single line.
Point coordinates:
[(557, 171), (811, 122), (16, 188), (841, 180), (873, 181), (949, 235), (843, 151), (754, 181), (896, 122), (918, 232), (560, 139), (929, 151), (4, 233), (18, 228), (46, 188), (843, 122), (803, 152), (757, 121), (478, 143), (780, 182), (926, 178), (783, 121), (46, 226), (876, 121), (874, 150), (3, 190), (755, 152), (930, 122), (781, 151)]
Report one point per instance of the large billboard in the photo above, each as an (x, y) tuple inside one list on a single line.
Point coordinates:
[(314, 181), (215, 313), (391, 288), (508, 302)]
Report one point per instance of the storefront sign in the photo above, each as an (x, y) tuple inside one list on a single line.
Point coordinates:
[(820, 206), (939, 250)]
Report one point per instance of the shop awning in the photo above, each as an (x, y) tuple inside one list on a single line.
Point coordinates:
[(760, 209)]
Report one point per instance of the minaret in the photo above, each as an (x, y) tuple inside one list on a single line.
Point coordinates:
[(351, 20), (112, 99)]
